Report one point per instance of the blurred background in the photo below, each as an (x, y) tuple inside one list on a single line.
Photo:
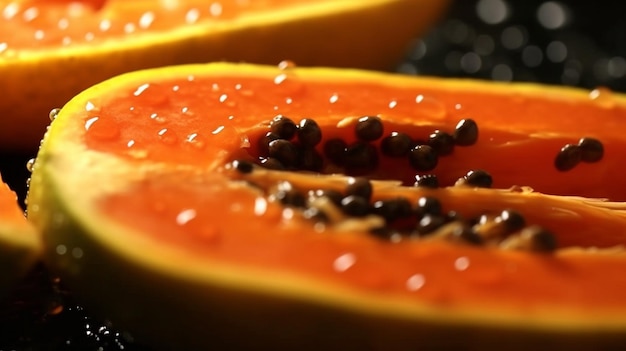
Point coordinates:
[(574, 43), (578, 43)]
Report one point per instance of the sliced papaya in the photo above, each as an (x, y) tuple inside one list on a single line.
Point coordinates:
[(20, 246), (236, 206), (58, 48)]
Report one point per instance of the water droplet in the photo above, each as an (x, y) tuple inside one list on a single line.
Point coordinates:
[(39, 34), (286, 64), (288, 101), (3, 47), (89, 36), (223, 97), (104, 25), (602, 96), (280, 78), (184, 109), (145, 21), (260, 206), (63, 23), (461, 263), (130, 143), (415, 282), (176, 88), (157, 118), (167, 136), (129, 28), (344, 262), (30, 164), (141, 89), (393, 104), (89, 106), (217, 130), (215, 9), (102, 129), (333, 98), (11, 10), (430, 106), (54, 113), (185, 216), (30, 14), (192, 16)]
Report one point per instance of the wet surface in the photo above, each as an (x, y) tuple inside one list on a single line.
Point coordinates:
[(580, 43)]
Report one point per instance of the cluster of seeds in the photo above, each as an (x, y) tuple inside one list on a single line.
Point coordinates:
[(291, 146), (587, 150), (398, 218)]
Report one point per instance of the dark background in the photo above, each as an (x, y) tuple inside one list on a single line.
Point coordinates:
[(576, 43)]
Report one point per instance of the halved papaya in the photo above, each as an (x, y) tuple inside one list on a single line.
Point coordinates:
[(58, 48), (20, 245), (236, 206)]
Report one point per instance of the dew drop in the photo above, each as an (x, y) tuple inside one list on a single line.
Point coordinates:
[(129, 28), (130, 143), (223, 97), (104, 25), (461, 263), (217, 130), (30, 164), (280, 78), (11, 10), (260, 206), (185, 216), (344, 262), (3, 47), (393, 104), (54, 113), (102, 129), (30, 14), (215, 9), (603, 96), (286, 64), (166, 136), (63, 23), (89, 106), (176, 88), (430, 106), (333, 98), (415, 282), (145, 21), (39, 34), (192, 16), (141, 89)]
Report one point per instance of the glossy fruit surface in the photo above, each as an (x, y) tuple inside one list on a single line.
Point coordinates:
[(135, 175), (20, 245), (58, 48)]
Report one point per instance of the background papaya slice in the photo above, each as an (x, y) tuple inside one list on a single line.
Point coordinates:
[(58, 48), (20, 246), (197, 244)]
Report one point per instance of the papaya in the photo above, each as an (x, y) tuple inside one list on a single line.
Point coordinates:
[(242, 206), (20, 247), (58, 48)]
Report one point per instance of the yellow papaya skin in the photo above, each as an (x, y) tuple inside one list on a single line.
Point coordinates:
[(172, 299), (353, 33)]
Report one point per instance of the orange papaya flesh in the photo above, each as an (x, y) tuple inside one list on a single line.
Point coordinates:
[(58, 48), (134, 174), (20, 247)]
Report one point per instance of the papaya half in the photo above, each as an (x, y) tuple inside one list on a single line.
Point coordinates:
[(237, 206), (58, 48), (20, 247)]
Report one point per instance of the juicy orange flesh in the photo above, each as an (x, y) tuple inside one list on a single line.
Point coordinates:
[(51, 23), (10, 211), (201, 122)]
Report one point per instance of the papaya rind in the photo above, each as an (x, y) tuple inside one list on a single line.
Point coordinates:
[(378, 33), (101, 262)]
